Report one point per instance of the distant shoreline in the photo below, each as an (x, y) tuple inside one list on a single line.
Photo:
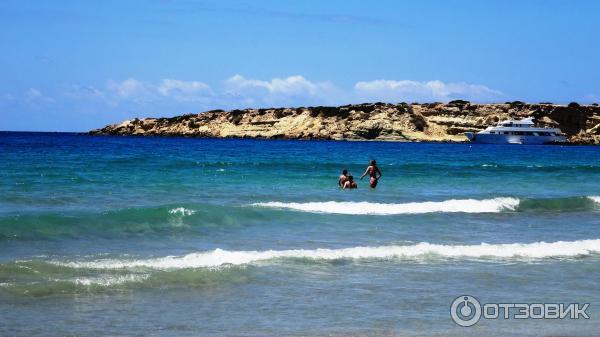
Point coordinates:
[(72, 133), (429, 122)]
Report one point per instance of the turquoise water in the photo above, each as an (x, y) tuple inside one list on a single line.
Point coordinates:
[(131, 236)]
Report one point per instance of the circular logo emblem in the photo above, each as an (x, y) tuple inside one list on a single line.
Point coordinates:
[(465, 310)]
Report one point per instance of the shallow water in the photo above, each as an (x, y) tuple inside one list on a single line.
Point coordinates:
[(174, 236)]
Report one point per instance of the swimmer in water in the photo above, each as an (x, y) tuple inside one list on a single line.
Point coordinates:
[(374, 172), (350, 183), (343, 178)]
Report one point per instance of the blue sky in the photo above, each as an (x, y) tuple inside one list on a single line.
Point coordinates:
[(78, 65)]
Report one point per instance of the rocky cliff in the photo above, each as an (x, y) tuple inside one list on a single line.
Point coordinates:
[(371, 121)]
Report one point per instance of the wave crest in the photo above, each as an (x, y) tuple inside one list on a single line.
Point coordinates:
[(109, 280), (181, 211), (494, 205), (219, 257)]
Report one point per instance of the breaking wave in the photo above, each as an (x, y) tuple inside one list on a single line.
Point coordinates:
[(455, 205), (595, 199), (42, 277), (109, 280), (494, 205), (181, 211), (220, 257)]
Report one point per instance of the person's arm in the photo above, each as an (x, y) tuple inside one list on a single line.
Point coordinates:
[(366, 172), (345, 185), (379, 171)]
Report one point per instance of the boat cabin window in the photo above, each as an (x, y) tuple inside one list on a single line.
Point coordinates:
[(529, 133), (518, 133)]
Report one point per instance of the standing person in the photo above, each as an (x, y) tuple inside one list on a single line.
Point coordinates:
[(343, 178), (350, 183), (374, 172)]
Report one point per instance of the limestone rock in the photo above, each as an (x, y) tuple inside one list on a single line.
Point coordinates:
[(367, 121)]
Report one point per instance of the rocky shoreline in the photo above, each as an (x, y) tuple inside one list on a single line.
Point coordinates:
[(437, 122)]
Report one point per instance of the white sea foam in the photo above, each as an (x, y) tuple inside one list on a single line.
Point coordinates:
[(424, 250), (109, 280), (595, 198), (450, 206), (182, 211)]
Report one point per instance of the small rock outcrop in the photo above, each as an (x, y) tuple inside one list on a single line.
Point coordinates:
[(369, 121)]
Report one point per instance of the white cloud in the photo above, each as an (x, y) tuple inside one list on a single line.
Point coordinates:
[(35, 96), (137, 91), (84, 92), (184, 91), (174, 95), (131, 89), (293, 85), (406, 90), (33, 93), (7, 97), (92, 95), (290, 90)]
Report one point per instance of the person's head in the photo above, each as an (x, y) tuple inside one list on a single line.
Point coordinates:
[(373, 162), (350, 178), (345, 172)]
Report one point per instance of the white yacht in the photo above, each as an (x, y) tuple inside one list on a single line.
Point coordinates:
[(522, 131)]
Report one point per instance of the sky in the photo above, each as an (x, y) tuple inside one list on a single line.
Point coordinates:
[(79, 65)]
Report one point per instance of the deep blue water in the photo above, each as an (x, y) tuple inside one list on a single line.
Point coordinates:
[(133, 236)]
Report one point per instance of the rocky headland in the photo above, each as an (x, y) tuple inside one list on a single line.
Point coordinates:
[(370, 121)]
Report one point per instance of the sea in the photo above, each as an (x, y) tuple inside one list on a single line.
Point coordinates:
[(140, 236)]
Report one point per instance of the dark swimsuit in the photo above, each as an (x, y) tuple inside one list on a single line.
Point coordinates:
[(373, 175)]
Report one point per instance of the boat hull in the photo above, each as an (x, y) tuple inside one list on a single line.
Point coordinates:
[(515, 139)]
